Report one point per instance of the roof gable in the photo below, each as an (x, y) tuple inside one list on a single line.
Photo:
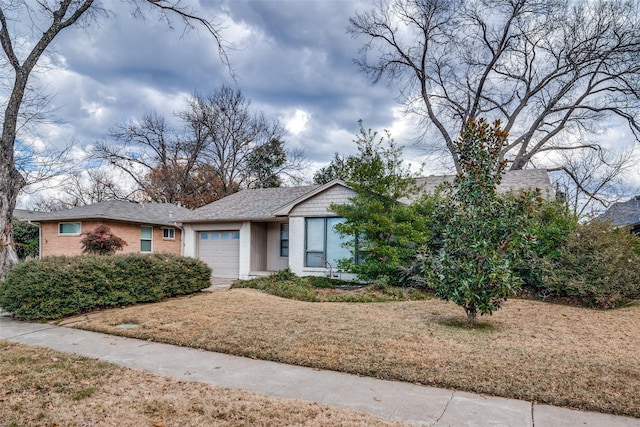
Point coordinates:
[(286, 209), (623, 213), (252, 204)]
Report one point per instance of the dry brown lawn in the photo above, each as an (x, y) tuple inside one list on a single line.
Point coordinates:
[(41, 387), (542, 352)]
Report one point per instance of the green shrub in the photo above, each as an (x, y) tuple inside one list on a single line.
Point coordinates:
[(26, 239), (285, 284), (598, 266), (55, 287), (551, 224)]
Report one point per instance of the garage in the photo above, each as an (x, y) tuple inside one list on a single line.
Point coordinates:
[(221, 251)]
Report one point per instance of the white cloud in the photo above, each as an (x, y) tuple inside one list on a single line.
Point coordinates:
[(296, 123)]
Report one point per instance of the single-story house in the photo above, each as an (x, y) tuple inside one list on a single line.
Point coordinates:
[(260, 231), (624, 214), (146, 228)]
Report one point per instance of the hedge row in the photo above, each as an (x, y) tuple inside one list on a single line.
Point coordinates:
[(55, 287)]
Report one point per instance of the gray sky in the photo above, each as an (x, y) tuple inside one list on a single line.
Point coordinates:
[(293, 60)]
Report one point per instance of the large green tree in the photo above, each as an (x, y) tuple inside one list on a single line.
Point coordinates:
[(49, 18), (388, 232), (482, 233)]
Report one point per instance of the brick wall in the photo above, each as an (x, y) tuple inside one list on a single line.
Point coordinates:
[(55, 244)]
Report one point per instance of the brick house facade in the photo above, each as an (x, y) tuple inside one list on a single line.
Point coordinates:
[(146, 228)]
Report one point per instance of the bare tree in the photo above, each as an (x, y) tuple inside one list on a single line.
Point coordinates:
[(157, 157), (223, 146), (83, 188), (92, 186), (244, 147), (591, 179), (547, 69), (53, 16)]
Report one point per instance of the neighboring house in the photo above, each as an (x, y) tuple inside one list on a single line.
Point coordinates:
[(260, 231), (624, 214), (146, 228), (23, 215)]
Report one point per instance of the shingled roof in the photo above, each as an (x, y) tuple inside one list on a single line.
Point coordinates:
[(623, 213), (511, 181), (263, 203), (23, 215), (116, 210), (254, 204)]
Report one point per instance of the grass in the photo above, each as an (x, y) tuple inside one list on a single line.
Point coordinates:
[(549, 353), (43, 387)]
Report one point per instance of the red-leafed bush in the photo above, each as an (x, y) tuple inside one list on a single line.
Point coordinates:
[(101, 241)]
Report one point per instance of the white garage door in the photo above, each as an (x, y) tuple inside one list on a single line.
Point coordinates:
[(221, 251)]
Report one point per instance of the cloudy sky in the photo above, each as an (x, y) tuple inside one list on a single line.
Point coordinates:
[(293, 60)]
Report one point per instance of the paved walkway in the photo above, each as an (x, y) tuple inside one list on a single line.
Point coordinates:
[(388, 399)]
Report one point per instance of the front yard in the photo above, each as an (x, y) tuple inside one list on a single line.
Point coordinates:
[(567, 356)]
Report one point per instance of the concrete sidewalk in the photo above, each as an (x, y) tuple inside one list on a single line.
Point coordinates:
[(388, 399)]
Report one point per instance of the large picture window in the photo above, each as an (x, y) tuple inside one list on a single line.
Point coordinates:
[(324, 246), (146, 238)]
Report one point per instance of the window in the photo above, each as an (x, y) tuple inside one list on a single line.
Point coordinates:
[(324, 245), (284, 239), (169, 233), (69, 228), (146, 238)]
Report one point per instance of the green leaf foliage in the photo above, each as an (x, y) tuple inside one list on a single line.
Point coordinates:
[(55, 287), (480, 234), (598, 266), (387, 233), (551, 224), (26, 238)]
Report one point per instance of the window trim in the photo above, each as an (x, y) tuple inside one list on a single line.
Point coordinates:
[(169, 230), (323, 253), (284, 247), (143, 239), (60, 233)]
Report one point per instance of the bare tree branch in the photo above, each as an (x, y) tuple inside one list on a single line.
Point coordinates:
[(545, 68)]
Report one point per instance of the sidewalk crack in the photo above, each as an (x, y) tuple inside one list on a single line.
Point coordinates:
[(533, 418), (445, 407), (29, 333)]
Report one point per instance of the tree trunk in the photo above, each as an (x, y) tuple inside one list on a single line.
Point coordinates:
[(471, 316), (8, 192)]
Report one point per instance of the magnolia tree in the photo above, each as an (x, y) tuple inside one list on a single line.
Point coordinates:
[(482, 233)]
